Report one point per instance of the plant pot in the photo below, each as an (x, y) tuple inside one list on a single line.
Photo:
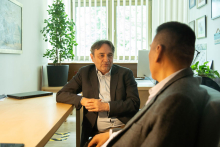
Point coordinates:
[(57, 75)]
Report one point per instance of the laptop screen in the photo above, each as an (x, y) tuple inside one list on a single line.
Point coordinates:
[(29, 94)]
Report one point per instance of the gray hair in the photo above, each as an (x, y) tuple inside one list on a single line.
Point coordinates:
[(97, 45)]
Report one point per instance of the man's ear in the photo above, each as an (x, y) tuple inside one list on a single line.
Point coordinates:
[(92, 56), (159, 52)]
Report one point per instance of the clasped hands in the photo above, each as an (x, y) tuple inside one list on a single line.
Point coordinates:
[(94, 105)]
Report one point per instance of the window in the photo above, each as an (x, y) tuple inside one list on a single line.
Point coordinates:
[(127, 23), (91, 25), (124, 22)]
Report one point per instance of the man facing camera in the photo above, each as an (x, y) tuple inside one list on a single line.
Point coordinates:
[(172, 113), (110, 96)]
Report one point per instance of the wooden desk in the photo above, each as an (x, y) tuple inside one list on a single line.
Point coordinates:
[(51, 89), (143, 87), (31, 121), (79, 115)]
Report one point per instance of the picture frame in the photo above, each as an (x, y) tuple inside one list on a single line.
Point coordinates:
[(201, 27), (201, 3), (192, 3), (11, 28), (192, 25), (215, 11)]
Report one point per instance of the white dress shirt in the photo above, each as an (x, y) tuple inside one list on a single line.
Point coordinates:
[(103, 121)]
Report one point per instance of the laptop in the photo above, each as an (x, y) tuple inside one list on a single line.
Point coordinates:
[(11, 145), (32, 94)]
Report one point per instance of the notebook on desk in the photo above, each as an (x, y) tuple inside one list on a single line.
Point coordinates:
[(32, 94)]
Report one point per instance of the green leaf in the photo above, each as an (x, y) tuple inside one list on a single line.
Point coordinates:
[(206, 62)]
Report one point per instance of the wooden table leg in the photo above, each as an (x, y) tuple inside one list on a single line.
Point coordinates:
[(79, 118)]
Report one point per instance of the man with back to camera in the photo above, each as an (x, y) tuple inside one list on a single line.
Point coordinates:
[(172, 113), (110, 96)]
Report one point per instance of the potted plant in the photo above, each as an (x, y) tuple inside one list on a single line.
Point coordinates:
[(59, 31), (204, 70), (208, 75)]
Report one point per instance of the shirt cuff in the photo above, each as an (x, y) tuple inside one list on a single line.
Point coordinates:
[(109, 107), (108, 112), (110, 132), (81, 100)]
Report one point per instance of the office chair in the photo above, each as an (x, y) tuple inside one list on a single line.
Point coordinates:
[(210, 83), (209, 128)]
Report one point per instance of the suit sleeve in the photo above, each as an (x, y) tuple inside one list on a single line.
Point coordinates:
[(68, 94), (129, 105), (175, 123)]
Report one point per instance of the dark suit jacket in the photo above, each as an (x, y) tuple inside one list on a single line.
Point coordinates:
[(170, 119), (124, 103)]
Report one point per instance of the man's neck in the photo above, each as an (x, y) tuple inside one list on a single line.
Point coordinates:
[(105, 72), (167, 71)]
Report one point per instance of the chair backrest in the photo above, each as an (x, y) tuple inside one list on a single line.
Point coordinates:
[(210, 83), (209, 129)]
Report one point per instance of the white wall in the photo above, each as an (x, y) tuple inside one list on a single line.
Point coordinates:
[(168, 10), (163, 11), (21, 72), (213, 51)]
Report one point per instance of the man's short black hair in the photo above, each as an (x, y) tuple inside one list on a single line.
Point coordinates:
[(181, 40), (97, 45)]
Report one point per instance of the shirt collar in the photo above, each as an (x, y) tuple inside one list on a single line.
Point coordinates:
[(154, 90), (100, 74)]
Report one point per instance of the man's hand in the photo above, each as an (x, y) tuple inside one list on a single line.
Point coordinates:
[(84, 101), (99, 140), (94, 105)]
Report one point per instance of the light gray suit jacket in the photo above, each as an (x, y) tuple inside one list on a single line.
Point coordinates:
[(170, 119)]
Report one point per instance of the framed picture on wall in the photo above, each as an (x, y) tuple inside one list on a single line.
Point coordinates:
[(11, 26), (201, 27), (215, 9), (200, 3), (192, 3), (192, 25)]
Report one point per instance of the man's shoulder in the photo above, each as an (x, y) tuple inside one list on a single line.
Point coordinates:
[(186, 85), (87, 67), (187, 88), (120, 68)]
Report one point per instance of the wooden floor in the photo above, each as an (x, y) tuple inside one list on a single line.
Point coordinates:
[(68, 126)]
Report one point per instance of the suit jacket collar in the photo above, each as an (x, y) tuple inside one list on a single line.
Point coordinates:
[(113, 82), (94, 81), (183, 73)]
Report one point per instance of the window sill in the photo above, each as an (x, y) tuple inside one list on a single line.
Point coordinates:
[(90, 62)]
